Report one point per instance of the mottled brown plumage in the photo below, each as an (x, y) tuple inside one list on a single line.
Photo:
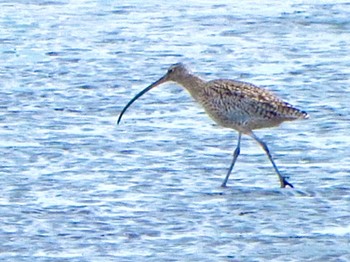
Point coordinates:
[(245, 107), (233, 104)]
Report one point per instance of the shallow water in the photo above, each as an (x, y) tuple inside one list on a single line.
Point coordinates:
[(77, 187)]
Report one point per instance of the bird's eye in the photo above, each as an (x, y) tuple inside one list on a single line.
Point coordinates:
[(171, 70)]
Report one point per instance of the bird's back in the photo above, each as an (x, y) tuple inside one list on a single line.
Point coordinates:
[(244, 106)]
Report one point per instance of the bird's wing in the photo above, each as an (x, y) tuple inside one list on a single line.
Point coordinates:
[(252, 100)]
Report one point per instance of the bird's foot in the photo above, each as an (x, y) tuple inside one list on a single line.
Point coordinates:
[(285, 183), (224, 185)]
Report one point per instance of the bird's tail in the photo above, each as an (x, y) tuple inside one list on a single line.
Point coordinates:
[(295, 113)]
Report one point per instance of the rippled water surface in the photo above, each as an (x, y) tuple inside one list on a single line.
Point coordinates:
[(77, 187)]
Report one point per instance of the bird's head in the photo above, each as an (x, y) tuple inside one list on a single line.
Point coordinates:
[(175, 73)]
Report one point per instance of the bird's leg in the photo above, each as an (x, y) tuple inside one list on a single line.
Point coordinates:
[(283, 181), (235, 155)]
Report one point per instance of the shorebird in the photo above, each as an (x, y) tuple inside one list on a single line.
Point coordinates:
[(233, 104)]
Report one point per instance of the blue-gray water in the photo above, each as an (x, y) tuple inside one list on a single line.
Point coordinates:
[(74, 186)]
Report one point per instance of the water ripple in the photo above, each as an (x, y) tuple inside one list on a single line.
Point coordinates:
[(77, 187)]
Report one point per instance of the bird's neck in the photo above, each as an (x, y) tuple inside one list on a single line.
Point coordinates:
[(193, 84)]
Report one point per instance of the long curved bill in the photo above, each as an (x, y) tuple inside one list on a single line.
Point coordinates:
[(158, 82)]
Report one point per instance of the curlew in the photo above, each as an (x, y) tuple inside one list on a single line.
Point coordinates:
[(232, 104)]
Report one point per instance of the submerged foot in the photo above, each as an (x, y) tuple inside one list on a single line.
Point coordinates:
[(223, 185)]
